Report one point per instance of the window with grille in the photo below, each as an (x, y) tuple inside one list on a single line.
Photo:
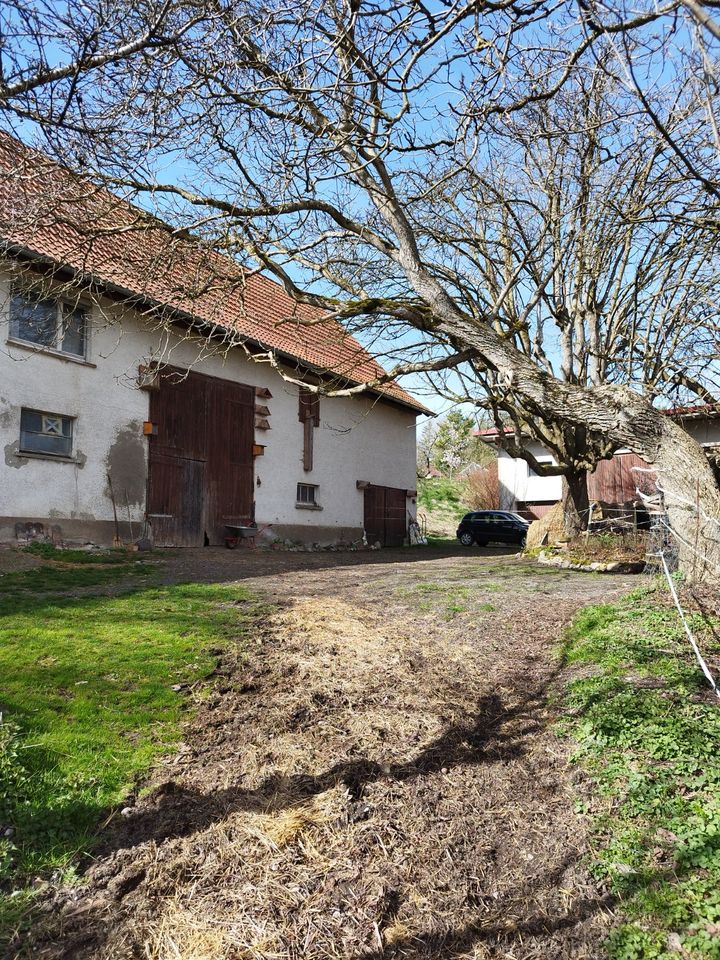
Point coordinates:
[(49, 433), (306, 494), (48, 323)]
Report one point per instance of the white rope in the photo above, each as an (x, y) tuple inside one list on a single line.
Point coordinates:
[(703, 666), (674, 497), (689, 546)]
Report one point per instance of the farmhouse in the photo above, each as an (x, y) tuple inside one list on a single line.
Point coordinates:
[(614, 481), (149, 387)]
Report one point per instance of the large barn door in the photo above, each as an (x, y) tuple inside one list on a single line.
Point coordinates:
[(384, 515), (395, 517), (201, 463), (231, 429)]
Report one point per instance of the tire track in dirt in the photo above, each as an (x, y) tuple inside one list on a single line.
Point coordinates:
[(376, 778)]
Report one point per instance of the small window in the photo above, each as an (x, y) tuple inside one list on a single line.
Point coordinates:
[(48, 323), (49, 433), (543, 460), (306, 494)]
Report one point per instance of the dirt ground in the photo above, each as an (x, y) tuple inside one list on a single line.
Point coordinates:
[(376, 777)]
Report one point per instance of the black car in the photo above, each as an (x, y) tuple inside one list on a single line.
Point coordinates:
[(499, 526)]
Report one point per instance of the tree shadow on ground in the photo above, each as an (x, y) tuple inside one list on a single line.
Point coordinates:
[(496, 926), (174, 810), (493, 733)]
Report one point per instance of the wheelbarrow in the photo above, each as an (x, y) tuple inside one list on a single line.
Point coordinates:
[(237, 532)]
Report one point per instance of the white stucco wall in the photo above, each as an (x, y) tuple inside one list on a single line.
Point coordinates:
[(357, 439), (518, 484)]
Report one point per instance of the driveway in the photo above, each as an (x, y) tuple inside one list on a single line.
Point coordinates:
[(374, 773)]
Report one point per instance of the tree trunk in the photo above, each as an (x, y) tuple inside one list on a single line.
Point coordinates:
[(616, 413), (575, 501)]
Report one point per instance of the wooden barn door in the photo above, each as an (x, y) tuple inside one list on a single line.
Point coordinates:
[(230, 470), (385, 515), (201, 465), (175, 501)]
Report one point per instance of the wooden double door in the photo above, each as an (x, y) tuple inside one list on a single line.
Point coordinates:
[(385, 515), (201, 458)]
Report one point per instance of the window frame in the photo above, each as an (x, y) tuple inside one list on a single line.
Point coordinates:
[(62, 307), (312, 488), (545, 461), (24, 451)]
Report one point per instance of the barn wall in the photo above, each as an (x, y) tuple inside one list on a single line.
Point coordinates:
[(109, 414), (704, 431), (613, 481), (357, 438)]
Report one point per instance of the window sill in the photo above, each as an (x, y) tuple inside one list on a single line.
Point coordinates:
[(22, 455), (49, 352), (308, 506)]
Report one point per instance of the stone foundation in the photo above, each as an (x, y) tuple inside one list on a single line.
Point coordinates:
[(75, 532)]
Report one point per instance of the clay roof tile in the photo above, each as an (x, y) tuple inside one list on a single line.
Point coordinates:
[(62, 218)]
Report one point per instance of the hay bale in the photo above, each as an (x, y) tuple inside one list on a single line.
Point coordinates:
[(548, 529)]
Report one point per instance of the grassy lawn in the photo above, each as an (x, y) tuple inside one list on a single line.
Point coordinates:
[(649, 734), (87, 702), (442, 501)]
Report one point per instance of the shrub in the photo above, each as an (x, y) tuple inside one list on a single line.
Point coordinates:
[(483, 488)]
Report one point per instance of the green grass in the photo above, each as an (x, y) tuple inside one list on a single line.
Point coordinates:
[(87, 705), (438, 541), (22, 587), (50, 552), (442, 493), (650, 737)]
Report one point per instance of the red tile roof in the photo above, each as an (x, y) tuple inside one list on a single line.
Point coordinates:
[(491, 432), (48, 212)]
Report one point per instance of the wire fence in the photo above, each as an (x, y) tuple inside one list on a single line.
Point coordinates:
[(666, 544)]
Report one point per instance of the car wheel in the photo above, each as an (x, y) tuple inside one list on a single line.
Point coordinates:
[(522, 542), (466, 539)]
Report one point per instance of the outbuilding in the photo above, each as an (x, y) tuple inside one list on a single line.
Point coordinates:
[(150, 387)]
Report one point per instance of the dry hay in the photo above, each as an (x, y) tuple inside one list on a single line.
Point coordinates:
[(550, 528), (355, 790)]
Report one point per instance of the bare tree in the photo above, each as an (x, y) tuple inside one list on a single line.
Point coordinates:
[(483, 488), (426, 447), (586, 253), (321, 141)]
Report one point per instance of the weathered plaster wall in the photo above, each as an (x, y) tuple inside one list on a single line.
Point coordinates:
[(107, 431), (357, 439)]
